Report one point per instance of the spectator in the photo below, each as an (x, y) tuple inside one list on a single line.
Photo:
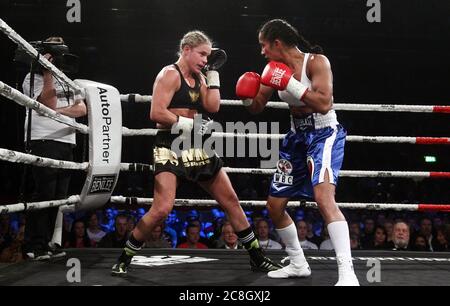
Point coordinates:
[(369, 231), (355, 243), (195, 222), (302, 230), (157, 239), (400, 237), (389, 227), (420, 244), (215, 240), (262, 233), (426, 230), (379, 241), (13, 252), (117, 238), (131, 223), (171, 225), (437, 221), (229, 238), (78, 237), (108, 221), (354, 228), (93, 231), (326, 242), (6, 235), (441, 242), (311, 235), (193, 237)]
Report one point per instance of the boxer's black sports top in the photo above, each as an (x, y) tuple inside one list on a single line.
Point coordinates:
[(186, 96)]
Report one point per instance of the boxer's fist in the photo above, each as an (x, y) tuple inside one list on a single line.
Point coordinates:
[(247, 87), (216, 59), (279, 76), (276, 75)]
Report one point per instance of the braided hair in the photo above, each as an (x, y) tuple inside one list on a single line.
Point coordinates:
[(282, 30)]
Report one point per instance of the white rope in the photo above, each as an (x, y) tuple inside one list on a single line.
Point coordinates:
[(139, 132), (352, 173), (390, 108), (404, 174), (11, 208), (19, 157), (349, 138), (8, 31), (257, 203), (247, 136), (249, 170), (18, 97), (381, 139), (135, 98), (342, 173), (30, 159), (136, 167), (337, 106)]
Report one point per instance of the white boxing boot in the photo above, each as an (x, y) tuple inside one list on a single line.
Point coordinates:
[(294, 269)]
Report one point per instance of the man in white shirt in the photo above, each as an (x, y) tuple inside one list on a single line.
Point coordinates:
[(262, 232), (302, 231), (52, 139)]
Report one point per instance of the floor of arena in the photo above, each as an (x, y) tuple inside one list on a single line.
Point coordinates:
[(175, 267)]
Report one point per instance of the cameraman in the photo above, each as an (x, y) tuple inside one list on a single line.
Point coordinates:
[(49, 138)]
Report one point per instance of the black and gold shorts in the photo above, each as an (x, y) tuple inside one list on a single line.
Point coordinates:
[(193, 164)]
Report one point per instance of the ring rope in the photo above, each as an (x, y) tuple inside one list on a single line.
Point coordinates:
[(139, 132), (18, 97), (353, 173), (307, 204), (68, 204), (30, 159), (337, 106), (349, 138), (11, 208), (19, 157)]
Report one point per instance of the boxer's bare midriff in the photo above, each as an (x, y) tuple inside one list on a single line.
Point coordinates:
[(184, 112)]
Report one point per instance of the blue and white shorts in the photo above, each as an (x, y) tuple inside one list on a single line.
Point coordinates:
[(305, 156)]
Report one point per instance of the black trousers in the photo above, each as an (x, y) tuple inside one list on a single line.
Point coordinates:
[(49, 184)]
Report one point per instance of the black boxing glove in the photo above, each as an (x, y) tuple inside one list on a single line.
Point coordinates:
[(216, 59)]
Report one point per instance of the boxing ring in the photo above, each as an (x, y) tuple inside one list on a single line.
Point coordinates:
[(210, 267), (213, 267)]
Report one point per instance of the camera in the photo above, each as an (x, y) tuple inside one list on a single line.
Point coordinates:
[(62, 58)]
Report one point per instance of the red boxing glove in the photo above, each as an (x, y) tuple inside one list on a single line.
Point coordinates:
[(276, 75), (247, 87), (279, 76)]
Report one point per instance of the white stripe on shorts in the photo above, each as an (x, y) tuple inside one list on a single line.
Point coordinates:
[(326, 158)]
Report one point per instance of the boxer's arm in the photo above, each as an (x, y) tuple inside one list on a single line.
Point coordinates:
[(261, 99), (165, 86), (210, 97), (320, 98)]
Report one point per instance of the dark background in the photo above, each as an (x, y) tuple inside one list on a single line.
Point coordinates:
[(402, 60)]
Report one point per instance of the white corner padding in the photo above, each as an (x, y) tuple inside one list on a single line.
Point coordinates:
[(105, 143)]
